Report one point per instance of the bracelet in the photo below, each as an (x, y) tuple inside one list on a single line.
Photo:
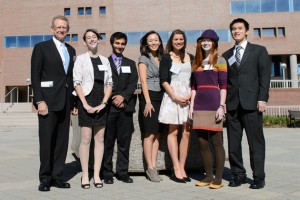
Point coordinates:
[(104, 102)]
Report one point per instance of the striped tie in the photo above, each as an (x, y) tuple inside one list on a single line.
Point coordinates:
[(118, 64), (238, 55)]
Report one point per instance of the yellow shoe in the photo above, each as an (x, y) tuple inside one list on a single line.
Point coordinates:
[(214, 186), (201, 184)]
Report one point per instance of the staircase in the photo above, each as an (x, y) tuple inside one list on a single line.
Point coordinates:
[(17, 115)]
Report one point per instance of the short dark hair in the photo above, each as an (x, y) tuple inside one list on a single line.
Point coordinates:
[(118, 35), (144, 49), (239, 20), (93, 31)]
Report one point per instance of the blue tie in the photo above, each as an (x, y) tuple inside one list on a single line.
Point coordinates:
[(66, 56)]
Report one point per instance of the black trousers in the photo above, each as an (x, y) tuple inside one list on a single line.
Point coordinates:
[(251, 121), (54, 139), (119, 127)]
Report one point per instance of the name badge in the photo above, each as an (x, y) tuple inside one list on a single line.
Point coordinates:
[(175, 69), (126, 69), (231, 60), (208, 67), (102, 67), (47, 84)]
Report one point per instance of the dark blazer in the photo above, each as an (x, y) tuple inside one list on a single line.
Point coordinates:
[(250, 82), (47, 65), (125, 83)]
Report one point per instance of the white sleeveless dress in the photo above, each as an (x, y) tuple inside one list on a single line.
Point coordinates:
[(171, 112)]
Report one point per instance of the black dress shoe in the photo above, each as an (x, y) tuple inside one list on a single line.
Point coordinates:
[(187, 179), (125, 179), (44, 187), (60, 184), (237, 181), (109, 180), (257, 183)]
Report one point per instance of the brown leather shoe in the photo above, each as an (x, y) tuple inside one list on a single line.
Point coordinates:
[(215, 186)]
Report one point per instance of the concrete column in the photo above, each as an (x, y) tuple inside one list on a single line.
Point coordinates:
[(294, 69)]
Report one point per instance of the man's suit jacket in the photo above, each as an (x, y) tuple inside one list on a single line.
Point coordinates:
[(249, 82), (47, 65), (125, 83)]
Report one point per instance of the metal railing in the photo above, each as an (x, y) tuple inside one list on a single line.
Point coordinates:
[(12, 95), (285, 84), (281, 111)]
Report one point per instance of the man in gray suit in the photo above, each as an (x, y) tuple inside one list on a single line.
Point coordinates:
[(249, 72)]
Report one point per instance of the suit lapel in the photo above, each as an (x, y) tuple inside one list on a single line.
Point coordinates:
[(247, 53), (56, 56), (70, 56)]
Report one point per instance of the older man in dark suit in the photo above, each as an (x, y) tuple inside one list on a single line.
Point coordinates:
[(121, 108), (247, 94), (52, 82)]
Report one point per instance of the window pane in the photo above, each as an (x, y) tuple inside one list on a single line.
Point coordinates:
[(68, 38), (80, 11), (224, 35), (281, 31), (164, 36), (88, 11), (252, 7), (102, 10), (103, 36), (192, 35), (268, 32), (74, 37), (23, 41), (67, 11), (296, 5), (10, 42), (48, 37), (134, 37), (256, 32), (237, 7), (268, 6), (36, 39), (282, 5)]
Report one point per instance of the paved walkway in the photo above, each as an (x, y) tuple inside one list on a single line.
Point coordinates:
[(19, 162)]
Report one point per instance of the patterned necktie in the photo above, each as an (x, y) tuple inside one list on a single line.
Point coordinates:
[(66, 56), (118, 63), (238, 55)]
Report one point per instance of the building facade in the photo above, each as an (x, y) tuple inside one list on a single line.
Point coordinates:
[(273, 23)]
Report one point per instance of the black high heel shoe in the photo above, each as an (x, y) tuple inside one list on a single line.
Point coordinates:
[(187, 179), (85, 186), (98, 185), (177, 180)]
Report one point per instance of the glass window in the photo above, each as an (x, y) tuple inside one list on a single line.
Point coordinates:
[(268, 6), (23, 41), (134, 37), (102, 10), (48, 37), (68, 38), (281, 32), (74, 37), (103, 36), (67, 11), (224, 35), (88, 11), (237, 7), (268, 32), (10, 41), (256, 32), (36, 39), (252, 6), (80, 11), (296, 5), (192, 35), (164, 36), (282, 5)]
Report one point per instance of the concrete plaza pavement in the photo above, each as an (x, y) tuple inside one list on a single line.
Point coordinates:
[(19, 163)]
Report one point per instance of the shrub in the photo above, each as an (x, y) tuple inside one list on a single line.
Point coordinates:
[(275, 122)]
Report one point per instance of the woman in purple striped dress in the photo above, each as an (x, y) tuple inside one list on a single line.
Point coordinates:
[(207, 107)]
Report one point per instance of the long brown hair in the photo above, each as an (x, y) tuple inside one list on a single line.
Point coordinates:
[(200, 53)]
